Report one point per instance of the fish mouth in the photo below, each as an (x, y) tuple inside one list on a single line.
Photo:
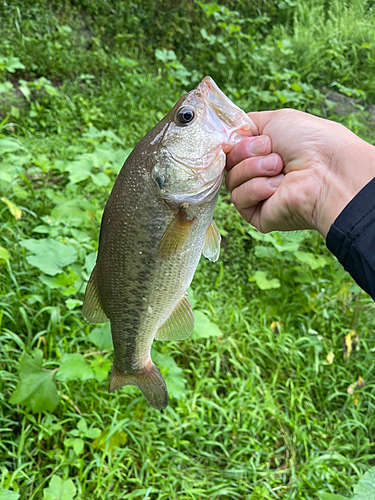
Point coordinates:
[(223, 113)]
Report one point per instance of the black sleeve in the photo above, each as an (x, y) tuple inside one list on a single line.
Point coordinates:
[(351, 238)]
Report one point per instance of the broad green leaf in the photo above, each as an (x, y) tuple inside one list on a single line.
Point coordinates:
[(60, 165), (44, 83), (117, 439), (260, 278), (172, 374), (93, 433), (94, 135), (296, 87), (287, 241), (203, 327), (265, 252), (4, 254), (25, 89), (73, 367), (128, 63), (354, 288), (80, 235), (79, 170), (69, 441), (330, 496), (221, 59), (101, 337), (100, 179), (50, 256), (287, 96), (59, 489), (13, 63), (19, 192), (51, 90), (7, 171), (43, 162), (191, 297), (312, 260), (101, 368), (64, 281), (36, 388), (73, 303), (283, 244), (10, 145), (303, 277), (70, 209), (8, 495), (90, 260), (82, 426), (257, 235), (365, 489), (165, 55), (78, 446), (118, 158), (5, 87), (42, 229)]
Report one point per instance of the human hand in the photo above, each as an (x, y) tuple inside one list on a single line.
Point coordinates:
[(318, 167)]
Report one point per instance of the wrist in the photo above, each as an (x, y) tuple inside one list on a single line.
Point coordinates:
[(352, 168)]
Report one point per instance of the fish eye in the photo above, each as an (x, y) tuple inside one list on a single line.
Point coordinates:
[(185, 115)]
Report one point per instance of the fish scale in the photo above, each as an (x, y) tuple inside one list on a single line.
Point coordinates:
[(156, 223)]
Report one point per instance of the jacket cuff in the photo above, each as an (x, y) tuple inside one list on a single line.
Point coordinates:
[(351, 238), (353, 224)]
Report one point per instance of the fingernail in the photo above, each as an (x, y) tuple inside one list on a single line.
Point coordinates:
[(258, 146), (274, 182), (268, 163)]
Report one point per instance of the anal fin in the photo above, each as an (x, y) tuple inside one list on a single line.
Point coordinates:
[(180, 323), (92, 310), (211, 244), (175, 235), (148, 380)]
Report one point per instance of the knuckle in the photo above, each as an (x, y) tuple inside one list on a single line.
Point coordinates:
[(244, 170), (235, 196)]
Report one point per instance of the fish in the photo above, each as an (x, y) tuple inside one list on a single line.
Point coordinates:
[(156, 224)]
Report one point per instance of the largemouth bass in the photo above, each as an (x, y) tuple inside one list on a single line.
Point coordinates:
[(156, 224)]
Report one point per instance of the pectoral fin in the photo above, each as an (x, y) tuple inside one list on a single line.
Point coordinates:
[(211, 244), (92, 310), (175, 235), (148, 380), (180, 323)]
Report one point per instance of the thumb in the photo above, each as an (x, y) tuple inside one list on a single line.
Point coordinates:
[(261, 118)]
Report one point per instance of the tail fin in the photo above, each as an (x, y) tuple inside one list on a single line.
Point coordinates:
[(148, 380)]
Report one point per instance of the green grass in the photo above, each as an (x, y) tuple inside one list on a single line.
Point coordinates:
[(262, 411)]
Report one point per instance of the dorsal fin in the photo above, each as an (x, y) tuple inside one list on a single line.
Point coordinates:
[(92, 310), (175, 235), (180, 323), (211, 244)]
